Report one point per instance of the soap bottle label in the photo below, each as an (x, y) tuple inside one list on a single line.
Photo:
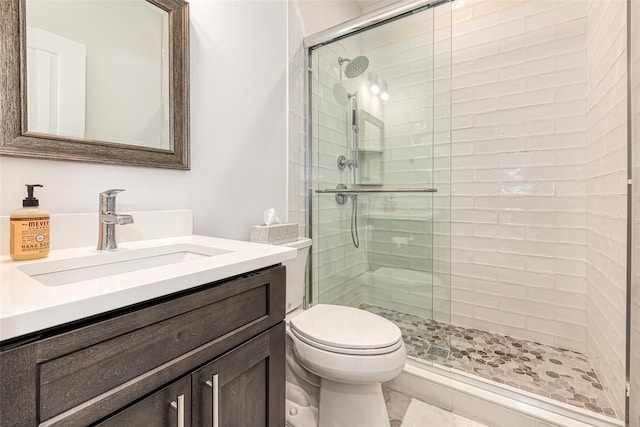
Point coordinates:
[(29, 235)]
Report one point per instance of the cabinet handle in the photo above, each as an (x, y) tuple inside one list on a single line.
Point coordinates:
[(180, 407), (215, 398)]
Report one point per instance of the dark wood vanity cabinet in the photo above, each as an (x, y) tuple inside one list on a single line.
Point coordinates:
[(239, 388), (218, 350)]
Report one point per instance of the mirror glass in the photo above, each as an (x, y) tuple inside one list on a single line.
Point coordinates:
[(101, 81), (98, 70)]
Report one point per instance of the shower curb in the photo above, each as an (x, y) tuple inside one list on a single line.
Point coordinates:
[(487, 403)]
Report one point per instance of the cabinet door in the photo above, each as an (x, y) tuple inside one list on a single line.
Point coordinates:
[(244, 387), (167, 407)]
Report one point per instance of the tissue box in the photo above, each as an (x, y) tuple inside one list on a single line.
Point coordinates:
[(274, 234)]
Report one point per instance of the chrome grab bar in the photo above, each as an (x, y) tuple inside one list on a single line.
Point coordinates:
[(376, 190)]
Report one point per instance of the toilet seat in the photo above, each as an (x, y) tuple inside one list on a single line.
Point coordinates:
[(349, 368), (349, 351), (346, 330)]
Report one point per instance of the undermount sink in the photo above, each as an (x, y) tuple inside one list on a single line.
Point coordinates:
[(101, 265)]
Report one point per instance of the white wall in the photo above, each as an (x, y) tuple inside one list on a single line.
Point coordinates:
[(607, 193), (238, 133), (238, 114)]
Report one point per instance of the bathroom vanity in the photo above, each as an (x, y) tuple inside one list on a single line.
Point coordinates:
[(209, 354)]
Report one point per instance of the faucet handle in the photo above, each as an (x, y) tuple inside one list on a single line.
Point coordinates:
[(112, 192), (108, 200), (124, 219)]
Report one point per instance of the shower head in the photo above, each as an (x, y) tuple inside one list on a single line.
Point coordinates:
[(355, 66)]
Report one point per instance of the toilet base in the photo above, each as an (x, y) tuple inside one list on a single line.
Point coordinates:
[(352, 405), (300, 411)]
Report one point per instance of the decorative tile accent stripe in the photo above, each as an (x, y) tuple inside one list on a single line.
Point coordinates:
[(555, 373)]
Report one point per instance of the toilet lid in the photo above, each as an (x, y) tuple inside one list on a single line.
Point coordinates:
[(334, 327)]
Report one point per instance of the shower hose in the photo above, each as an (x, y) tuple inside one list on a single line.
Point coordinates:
[(354, 220)]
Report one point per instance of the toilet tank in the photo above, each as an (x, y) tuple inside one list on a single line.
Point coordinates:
[(296, 268)]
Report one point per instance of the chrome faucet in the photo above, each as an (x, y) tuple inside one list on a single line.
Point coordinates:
[(108, 218)]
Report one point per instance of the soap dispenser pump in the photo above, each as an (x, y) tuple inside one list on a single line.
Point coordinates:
[(29, 229)]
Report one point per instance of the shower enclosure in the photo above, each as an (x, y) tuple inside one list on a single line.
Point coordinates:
[(380, 203), (380, 154)]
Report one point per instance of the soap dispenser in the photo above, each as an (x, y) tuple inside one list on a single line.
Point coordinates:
[(29, 229)]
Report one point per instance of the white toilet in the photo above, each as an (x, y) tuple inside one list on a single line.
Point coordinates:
[(350, 351)]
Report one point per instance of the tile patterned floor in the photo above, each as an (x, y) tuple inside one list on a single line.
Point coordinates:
[(562, 375), (397, 404), (399, 414)]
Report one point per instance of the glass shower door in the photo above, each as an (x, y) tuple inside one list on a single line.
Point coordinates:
[(380, 148)]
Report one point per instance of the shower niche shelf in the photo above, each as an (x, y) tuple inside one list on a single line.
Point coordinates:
[(370, 171), (371, 149)]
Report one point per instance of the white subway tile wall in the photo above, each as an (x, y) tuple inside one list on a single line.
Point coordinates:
[(518, 136), (606, 174), (306, 18), (400, 241), (338, 266)]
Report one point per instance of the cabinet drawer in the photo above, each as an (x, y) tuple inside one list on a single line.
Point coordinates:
[(81, 375)]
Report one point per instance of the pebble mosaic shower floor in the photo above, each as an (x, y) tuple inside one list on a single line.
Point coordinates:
[(558, 374)]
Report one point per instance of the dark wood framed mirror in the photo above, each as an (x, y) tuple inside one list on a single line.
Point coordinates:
[(169, 139)]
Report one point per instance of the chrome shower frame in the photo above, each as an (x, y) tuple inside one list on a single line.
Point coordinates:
[(367, 21)]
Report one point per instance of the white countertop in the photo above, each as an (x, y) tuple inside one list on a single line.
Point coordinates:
[(27, 306)]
